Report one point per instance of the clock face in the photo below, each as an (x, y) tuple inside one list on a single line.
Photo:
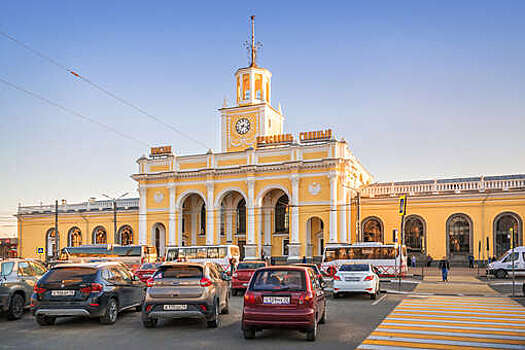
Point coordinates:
[(242, 126)]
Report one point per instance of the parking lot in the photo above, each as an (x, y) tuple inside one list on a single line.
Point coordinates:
[(349, 321)]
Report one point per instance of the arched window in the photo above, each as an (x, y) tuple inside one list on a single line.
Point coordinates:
[(223, 219), (74, 237), (372, 230), (459, 233), (125, 235), (51, 242), (203, 219), (282, 215), (415, 234), (99, 235), (158, 238), (503, 224), (241, 217)]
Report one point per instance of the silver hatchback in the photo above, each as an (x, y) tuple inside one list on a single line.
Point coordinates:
[(187, 290)]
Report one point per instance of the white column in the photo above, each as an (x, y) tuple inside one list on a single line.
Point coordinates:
[(333, 207), (195, 227), (295, 209), (210, 236), (250, 211), (180, 214), (172, 216), (267, 226), (142, 215), (343, 210), (229, 219)]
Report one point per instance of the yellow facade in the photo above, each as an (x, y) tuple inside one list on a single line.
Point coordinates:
[(286, 195)]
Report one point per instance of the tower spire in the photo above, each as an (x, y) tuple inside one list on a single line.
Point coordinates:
[(253, 48)]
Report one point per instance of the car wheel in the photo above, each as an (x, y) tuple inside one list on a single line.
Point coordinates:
[(336, 295), (323, 318), (374, 295), (249, 333), (149, 322), (45, 320), (138, 308), (501, 274), (215, 322), (111, 312), (311, 335), (16, 307)]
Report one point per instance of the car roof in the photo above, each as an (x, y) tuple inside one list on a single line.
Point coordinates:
[(253, 261), (95, 265), (285, 267), (183, 263)]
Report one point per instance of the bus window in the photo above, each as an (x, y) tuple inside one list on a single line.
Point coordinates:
[(213, 253), (329, 255), (190, 253), (202, 253), (341, 254), (173, 254)]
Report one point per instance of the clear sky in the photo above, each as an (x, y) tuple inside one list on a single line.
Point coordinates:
[(420, 89)]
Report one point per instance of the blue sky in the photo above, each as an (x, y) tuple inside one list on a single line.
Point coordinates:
[(420, 89)]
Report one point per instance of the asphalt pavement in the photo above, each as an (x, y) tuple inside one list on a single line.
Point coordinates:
[(349, 321)]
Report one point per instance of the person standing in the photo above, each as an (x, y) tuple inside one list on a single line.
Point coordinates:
[(413, 261), (444, 265)]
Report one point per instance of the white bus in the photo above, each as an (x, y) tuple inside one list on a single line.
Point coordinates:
[(131, 255), (384, 257), (220, 254)]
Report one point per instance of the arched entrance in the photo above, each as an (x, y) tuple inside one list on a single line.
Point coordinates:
[(100, 235), (125, 235), (158, 238), (459, 237), (372, 229), (415, 235), (51, 243), (503, 224), (314, 236), (194, 220), (275, 221), (74, 237), (232, 219)]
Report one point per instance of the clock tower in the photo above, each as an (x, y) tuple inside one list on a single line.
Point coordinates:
[(253, 114)]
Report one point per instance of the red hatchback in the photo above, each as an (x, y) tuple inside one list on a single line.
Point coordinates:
[(284, 297), (242, 275)]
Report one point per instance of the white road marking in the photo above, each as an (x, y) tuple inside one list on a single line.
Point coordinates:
[(447, 342), (379, 300)]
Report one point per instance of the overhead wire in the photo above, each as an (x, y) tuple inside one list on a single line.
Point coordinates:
[(103, 90), (70, 111)]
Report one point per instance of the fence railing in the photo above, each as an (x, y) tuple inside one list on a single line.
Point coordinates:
[(87, 206)]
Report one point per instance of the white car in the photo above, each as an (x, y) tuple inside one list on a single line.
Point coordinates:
[(360, 278)]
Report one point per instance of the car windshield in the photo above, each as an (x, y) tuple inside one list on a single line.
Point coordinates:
[(249, 266), (355, 268), (275, 280), (71, 274), (179, 272), (7, 268)]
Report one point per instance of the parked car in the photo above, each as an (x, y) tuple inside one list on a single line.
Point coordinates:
[(94, 290), (284, 297), (502, 268), (241, 277), (361, 278), (187, 290), (17, 280), (145, 271)]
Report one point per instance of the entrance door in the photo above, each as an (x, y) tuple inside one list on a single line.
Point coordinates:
[(241, 245)]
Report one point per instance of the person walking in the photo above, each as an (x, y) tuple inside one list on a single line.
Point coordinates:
[(444, 265), (413, 261)]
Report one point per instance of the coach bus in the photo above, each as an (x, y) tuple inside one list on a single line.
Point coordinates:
[(388, 259), (131, 255), (220, 254)]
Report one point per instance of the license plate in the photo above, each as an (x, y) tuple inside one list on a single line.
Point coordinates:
[(351, 279), (176, 307), (276, 300), (62, 293)]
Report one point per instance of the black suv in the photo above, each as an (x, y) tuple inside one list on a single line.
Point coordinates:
[(89, 290)]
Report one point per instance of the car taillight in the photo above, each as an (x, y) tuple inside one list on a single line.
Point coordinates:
[(148, 308), (205, 282), (306, 299), (249, 298), (150, 282), (93, 287), (369, 278), (38, 290), (337, 278), (235, 275)]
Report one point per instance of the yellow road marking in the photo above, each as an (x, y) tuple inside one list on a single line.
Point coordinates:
[(448, 330), (446, 337), (423, 345)]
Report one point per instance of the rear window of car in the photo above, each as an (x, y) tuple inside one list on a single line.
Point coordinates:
[(355, 268), (80, 274), (179, 272), (314, 267), (249, 266), (6, 268), (149, 266), (276, 280)]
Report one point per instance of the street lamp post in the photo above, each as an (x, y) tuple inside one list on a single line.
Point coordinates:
[(114, 199)]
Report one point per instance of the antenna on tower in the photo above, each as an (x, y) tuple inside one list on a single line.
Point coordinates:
[(253, 46)]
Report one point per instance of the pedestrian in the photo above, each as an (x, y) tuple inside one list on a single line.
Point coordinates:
[(471, 261), (444, 265), (413, 261), (429, 261), (304, 259)]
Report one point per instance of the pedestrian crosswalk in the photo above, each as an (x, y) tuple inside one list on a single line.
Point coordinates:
[(442, 322)]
